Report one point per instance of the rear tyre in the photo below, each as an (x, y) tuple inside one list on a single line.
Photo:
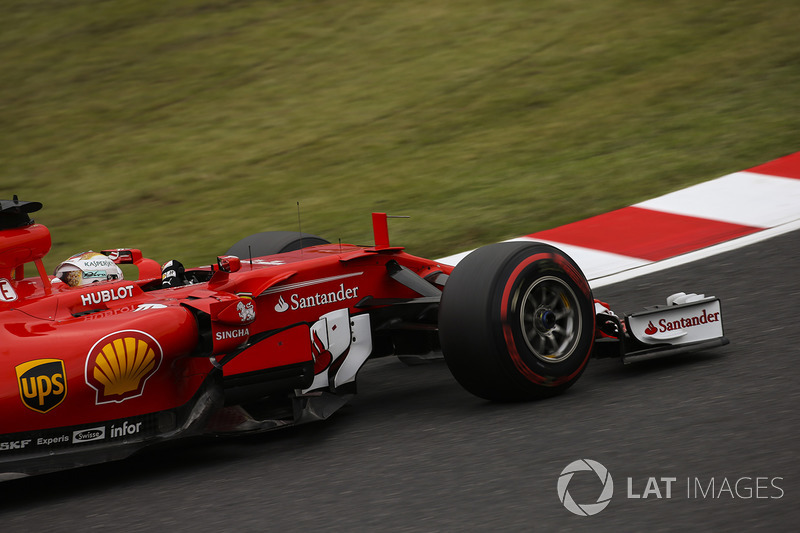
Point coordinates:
[(516, 321), (273, 242)]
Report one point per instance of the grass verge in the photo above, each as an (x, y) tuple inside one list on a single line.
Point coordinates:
[(180, 127)]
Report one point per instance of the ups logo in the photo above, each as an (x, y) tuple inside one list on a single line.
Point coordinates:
[(42, 384)]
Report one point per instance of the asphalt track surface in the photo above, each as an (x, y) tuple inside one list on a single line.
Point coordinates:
[(414, 452)]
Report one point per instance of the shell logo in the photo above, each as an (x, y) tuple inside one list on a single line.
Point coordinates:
[(119, 365)]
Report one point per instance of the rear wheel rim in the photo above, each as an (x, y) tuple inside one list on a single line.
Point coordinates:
[(550, 319)]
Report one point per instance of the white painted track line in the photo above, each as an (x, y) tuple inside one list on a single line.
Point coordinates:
[(672, 262), (744, 198)]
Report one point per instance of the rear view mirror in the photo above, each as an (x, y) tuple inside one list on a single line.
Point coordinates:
[(229, 263)]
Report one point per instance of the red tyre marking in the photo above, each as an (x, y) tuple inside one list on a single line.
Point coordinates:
[(508, 333)]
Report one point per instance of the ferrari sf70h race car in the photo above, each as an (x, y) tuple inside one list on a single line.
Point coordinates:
[(94, 367)]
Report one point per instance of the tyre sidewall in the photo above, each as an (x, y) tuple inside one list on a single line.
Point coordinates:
[(522, 270), (273, 242)]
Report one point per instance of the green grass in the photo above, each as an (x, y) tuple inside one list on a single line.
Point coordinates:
[(180, 127)]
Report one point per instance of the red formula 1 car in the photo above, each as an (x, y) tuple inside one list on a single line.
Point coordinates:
[(94, 367)]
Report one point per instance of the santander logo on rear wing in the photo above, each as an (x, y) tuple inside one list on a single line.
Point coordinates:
[(692, 319)]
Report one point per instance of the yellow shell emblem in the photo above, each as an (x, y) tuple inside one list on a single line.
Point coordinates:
[(119, 365)]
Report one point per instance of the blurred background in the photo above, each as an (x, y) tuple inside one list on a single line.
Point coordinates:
[(180, 127)]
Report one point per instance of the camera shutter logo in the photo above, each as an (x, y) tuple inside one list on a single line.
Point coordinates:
[(586, 509)]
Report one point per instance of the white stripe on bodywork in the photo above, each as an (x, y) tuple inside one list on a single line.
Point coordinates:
[(301, 284), (360, 349)]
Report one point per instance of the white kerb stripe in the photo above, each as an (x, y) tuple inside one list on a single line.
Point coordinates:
[(741, 198), (593, 263)]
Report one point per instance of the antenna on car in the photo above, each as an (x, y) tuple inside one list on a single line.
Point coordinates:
[(299, 228)]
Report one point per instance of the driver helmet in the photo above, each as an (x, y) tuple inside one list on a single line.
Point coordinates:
[(86, 268)]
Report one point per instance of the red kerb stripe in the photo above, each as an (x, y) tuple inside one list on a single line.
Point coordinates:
[(785, 167), (644, 233)]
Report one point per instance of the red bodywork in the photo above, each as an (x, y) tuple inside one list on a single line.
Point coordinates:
[(91, 373)]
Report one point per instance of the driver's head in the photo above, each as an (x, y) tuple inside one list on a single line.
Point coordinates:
[(86, 268)]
